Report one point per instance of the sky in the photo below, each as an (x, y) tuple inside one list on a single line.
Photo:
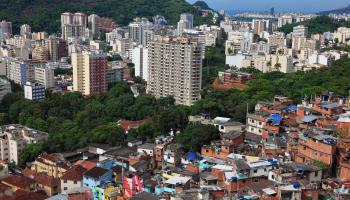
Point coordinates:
[(279, 5)]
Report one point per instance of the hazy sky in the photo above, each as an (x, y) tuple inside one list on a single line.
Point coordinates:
[(282, 5)]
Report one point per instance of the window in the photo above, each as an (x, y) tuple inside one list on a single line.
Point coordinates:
[(75, 182), (65, 181), (255, 171), (316, 173), (304, 147), (65, 188), (273, 177)]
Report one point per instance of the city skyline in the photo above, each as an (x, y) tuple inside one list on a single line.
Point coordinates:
[(286, 6)]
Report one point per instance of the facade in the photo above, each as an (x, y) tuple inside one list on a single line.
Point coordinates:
[(25, 29), (89, 72), (175, 69), (5, 87), (73, 25), (40, 53), (57, 48), (52, 165), (44, 75), (94, 25), (14, 137), (299, 35), (260, 26), (73, 178), (34, 91), (140, 60), (6, 27)]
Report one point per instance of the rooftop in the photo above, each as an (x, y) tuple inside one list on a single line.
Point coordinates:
[(96, 172)]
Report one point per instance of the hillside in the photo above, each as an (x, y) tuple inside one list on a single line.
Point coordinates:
[(336, 11), (202, 5), (44, 15), (319, 24)]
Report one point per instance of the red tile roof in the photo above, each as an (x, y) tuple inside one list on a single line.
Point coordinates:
[(126, 124), (86, 164), (24, 195), (75, 173), (96, 172), (18, 181), (41, 178)]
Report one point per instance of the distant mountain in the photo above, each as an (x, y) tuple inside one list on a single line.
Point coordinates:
[(336, 11), (44, 15), (202, 5)]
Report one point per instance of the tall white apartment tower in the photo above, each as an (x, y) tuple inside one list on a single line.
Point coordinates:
[(175, 69), (73, 25), (94, 25)]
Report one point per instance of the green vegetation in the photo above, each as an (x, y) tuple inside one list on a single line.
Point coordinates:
[(319, 24), (214, 61), (29, 153), (74, 121), (44, 15), (195, 136)]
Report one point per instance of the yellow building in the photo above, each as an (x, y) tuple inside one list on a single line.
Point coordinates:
[(51, 164)]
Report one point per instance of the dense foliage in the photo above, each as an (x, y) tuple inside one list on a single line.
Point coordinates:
[(74, 121), (319, 24), (44, 15), (195, 136)]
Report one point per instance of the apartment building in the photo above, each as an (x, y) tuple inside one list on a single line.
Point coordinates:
[(14, 137), (50, 164), (89, 72), (73, 25), (23, 71), (175, 69), (34, 91)]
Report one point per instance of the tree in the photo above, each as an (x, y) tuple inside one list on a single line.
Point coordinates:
[(195, 136), (29, 153), (4, 119), (172, 119), (109, 133)]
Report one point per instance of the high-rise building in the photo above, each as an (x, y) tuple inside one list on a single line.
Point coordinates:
[(44, 75), (286, 19), (272, 11), (57, 48), (73, 25), (34, 91), (188, 18), (299, 36), (140, 60), (260, 25), (89, 72), (25, 29), (94, 25), (175, 69), (186, 22), (137, 29), (6, 27)]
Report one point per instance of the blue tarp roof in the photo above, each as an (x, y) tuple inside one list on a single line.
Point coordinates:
[(276, 119), (191, 156), (292, 108)]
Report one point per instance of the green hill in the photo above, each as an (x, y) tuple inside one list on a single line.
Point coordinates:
[(202, 5), (336, 11), (319, 24), (44, 15)]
